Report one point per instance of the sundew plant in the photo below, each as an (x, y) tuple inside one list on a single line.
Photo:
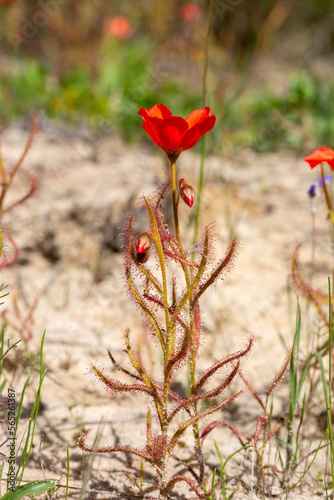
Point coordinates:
[(318, 298), (166, 282)]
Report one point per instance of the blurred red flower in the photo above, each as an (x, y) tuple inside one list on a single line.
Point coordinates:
[(174, 134), (191, 12), (320, 155), (119, 27)]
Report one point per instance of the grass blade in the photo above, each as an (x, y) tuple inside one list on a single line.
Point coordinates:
[(33, 488)]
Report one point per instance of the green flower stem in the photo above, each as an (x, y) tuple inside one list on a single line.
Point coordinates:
[(175, 206), (206, 53), (327, 198), (199, 191), (175, 200), (188, 295), (2, 170)]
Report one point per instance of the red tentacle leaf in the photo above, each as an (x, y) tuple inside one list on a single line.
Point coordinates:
[(32, 134), (274, 468), (221, 267), (198, 417), (116, 386), (219, 389), (252, 390), (222, 423), (280, 375), (185, 404), (151, 384), (315, 296), (176, 256), (121, 369), (222, 362), (262, 421), (113, 449), (189, 292), (32, 190), (176, 479), (10, 252), (139, 299)]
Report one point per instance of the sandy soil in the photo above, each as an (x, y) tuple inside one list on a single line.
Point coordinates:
[(70, 260)]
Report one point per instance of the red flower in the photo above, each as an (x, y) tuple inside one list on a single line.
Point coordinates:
[(174, 134), (320, 155), (191, 12), (119, 27)]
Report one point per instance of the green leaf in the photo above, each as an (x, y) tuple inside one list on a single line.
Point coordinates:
[(33, 488)]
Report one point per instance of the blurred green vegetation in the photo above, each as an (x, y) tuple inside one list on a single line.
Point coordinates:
[(265, 121), (60, 58), (259, 119), (125, 82)]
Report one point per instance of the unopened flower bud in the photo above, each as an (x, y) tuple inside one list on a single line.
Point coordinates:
[(142, 243), (187, 193), (143, 257)]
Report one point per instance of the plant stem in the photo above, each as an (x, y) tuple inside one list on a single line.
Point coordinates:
[(327, 198), (2, 171), (329, 409), (206, 53), (313, 242), (204, 99), (199, 190), (175, 200)]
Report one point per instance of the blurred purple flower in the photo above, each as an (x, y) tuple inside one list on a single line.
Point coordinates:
[(328, 180), (311, 191)]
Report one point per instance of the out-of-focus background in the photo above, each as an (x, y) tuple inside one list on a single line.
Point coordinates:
[(270, 71)]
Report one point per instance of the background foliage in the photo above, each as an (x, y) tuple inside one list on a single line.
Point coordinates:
[(269, 77)]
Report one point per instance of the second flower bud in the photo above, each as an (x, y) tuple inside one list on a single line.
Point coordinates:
[(143, 242), (187, 193)]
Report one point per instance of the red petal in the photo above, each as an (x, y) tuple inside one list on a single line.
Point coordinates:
[(173, 134), (149, 128), (155, 120), (148, 125), (170, 132), (157, 111), (195, 132), (197, 116), (320, 155)]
